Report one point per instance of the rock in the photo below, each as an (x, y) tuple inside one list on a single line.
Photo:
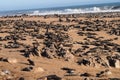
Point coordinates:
[(38, 69), (108, 72), (5, 72), (9, 77), (69, 56), (12, 60), (2, 73), (117, 64)]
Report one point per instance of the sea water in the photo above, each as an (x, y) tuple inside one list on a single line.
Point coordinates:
[(92, 8)]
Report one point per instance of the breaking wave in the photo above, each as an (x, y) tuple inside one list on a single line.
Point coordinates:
[(76, 10)]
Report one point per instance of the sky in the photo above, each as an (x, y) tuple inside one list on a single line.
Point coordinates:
[(32, 4)]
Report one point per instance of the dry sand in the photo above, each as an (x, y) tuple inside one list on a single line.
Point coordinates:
[(52, 66)]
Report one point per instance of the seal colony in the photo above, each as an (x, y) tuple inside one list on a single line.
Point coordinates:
[(60, 47)]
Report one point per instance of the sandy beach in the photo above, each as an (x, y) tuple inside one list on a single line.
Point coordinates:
[(60, 47)]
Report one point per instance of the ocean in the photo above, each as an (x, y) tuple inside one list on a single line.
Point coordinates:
[(92, 8)]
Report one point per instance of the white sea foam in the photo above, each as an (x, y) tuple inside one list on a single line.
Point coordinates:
[(74, 11), (45, 12), (35, 12)]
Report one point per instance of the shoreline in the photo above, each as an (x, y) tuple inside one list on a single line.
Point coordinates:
[(89, 13)]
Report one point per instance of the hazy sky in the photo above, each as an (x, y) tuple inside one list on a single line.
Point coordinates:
[(30, 4)]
